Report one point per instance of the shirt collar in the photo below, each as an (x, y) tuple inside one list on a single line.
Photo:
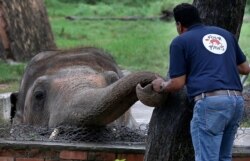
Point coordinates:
[(198, 25)]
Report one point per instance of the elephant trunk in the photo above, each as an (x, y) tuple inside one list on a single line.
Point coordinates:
[(115, 99), (149, 97)]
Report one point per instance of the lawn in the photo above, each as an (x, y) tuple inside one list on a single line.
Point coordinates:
[(135, 45)]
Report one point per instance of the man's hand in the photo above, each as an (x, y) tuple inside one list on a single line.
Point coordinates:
[(244, 68), (175, 84), (158, 84)]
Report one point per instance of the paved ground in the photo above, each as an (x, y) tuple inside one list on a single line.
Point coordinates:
[(141, 113), (243, 137)]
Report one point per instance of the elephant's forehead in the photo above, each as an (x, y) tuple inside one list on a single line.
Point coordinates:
[(80, 80)]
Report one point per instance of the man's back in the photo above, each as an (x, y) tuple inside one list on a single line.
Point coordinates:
[(209, 55)]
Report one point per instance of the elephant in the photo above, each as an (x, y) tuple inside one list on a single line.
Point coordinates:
[(76, 87)]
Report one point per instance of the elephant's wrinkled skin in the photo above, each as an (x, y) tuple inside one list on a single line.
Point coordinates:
[(80, 87)]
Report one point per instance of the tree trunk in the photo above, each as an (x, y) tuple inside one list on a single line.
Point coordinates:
[(24, 29), (222, 13), (169, 136)]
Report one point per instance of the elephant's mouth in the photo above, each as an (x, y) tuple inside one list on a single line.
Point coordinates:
[(148, 96), (148, 88)]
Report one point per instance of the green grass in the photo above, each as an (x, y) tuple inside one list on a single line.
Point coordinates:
[(118, 8), (135, 45), (10, 76), (139, 45), (245, 39), (9, 73)]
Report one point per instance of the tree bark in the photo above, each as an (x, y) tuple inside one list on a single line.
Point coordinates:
[(222, 13), (169, 136), (24, 29)]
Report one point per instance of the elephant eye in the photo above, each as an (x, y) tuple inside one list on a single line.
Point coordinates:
[(39, 95)]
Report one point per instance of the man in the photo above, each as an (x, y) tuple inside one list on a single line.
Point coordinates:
[(208, 61)]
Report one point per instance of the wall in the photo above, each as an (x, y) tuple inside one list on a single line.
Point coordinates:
[(42, 155), (37, 151), (44, 151)]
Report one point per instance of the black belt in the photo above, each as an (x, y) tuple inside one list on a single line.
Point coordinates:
[(217, 93)]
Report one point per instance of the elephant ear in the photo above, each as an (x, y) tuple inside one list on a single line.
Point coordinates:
[(110, 77), (149, 97)]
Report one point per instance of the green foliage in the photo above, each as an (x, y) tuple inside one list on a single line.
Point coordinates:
[(10, 73), (120, 160), (10, 76)]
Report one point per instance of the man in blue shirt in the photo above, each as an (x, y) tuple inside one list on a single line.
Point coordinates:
[(208, 60)]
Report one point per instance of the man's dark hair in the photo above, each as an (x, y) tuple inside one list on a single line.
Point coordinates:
[(186, 14)]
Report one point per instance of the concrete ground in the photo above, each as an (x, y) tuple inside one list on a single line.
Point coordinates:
[(141, 112), (142, 115), (243, 137)]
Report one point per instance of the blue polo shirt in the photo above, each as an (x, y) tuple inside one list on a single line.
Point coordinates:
[(208, 56)]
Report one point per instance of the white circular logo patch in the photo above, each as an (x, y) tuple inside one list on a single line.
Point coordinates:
[(215, 43)]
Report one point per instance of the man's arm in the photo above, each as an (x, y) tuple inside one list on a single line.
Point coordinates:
[(174, 84), (244, 68)]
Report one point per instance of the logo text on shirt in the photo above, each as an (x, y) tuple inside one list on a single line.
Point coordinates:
[(215, 43)]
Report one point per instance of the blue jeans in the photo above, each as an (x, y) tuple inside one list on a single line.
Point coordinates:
[(214, 125)]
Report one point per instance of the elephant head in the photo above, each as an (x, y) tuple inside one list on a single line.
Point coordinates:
[(80, 87)]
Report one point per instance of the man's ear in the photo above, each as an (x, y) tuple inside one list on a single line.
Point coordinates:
[(13, 103), (178, 27), (178, 23)]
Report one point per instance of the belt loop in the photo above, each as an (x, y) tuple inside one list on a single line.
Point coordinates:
[(202, 95), (235, 93), (228, 92)]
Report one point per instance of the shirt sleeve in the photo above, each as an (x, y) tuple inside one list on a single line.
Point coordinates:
[(177, 65), (240, 56)]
